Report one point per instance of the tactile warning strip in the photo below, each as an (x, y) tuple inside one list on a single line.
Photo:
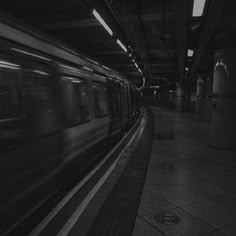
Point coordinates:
[(118, 213)]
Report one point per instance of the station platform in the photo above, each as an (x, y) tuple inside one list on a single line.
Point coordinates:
[(190, 187), (166, 181)]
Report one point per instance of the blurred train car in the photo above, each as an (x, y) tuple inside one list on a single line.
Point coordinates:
[(57, 109)]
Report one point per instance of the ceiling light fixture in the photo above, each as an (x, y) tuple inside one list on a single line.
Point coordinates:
[(198, 7), (136, 65), (121, 45), (144, 81), (102, 22), (190, 53)]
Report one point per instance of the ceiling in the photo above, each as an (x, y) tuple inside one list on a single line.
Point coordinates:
[(158, 31)]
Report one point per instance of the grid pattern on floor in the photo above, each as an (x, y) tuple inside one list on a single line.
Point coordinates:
[(118, 213), (189, 179)]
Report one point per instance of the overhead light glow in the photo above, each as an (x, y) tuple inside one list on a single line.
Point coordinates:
[(40, 72), (198, 7), (68, 67), (31, 54), (76, 82), (140, 71), (121, 45), (105, 67), (136, 65), (186, 68), (87, 68), (102, 22), (190, 53), (8, 65), (144, 81)]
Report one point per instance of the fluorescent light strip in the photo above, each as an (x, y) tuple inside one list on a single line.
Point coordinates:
[(76, 82), (198, 7), (106, 68), (102, 22), (8, 65), (69, 67), (144, 81), (87, 68), (190, 53), (40, 72), (31, 54), (121, 45), (136, 65)]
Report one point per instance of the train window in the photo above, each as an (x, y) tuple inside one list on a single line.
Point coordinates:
[(81, 91), (11, 117), (101, 100), (9, 95), (38, 101), (116, 99)]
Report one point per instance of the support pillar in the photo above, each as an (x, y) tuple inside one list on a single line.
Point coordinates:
[(223, 126), (179, 102), (203, 101)]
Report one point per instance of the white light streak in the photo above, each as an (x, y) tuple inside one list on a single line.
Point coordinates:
[(105, 67), (69, 67), (76, 82), (31, 54), (102, 22), (87, 68), (9, 65), (144, 81), (40, 72), (121, 45)]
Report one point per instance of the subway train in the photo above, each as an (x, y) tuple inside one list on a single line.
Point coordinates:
[(57, 110)]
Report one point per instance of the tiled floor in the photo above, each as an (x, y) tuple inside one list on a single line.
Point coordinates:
[(188, 178)]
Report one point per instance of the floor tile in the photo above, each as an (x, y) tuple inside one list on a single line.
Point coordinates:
[(205, 189), (81, 227), (179, 196), (152, 203), (188, 225), (211, 213), (142, 228), (93, 208), (215, 233), (230, 230)]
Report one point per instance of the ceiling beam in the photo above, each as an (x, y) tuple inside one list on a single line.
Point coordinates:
[(154, 65), (214, 17), (163, 52), (85, 23)]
